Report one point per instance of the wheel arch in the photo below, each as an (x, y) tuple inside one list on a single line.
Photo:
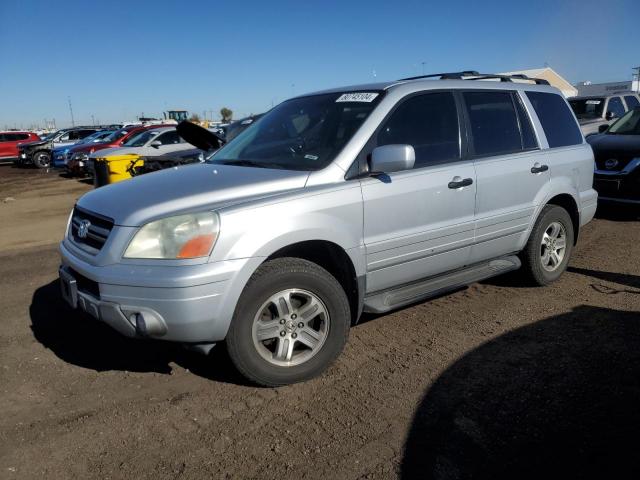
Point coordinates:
[(334, 259), (566, 201)]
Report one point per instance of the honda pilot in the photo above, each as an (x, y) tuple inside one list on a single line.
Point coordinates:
[(358, 199)]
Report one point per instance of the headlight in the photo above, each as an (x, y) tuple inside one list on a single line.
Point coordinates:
[(80, 156), (184, 236)]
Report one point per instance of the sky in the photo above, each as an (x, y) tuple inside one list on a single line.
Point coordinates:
[(118, 59)]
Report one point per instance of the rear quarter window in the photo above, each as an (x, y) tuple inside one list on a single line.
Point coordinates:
[(557, 121), (632, 102)]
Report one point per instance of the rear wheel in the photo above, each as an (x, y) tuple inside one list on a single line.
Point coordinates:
[(292, 321), (42, 159), (549, 248)]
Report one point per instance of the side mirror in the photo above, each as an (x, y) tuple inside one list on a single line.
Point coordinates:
[(156, 143), (603, 128), (610, 116), (392, 158)]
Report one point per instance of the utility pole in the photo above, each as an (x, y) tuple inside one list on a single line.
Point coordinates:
[(423, 64), (73, 123), (93, 120)]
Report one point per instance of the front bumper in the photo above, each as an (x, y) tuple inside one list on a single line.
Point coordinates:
[(188, 304), (619, 186)]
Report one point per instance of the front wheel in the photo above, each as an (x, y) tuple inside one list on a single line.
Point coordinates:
[(42, 159), (549, 248), (292, 321)]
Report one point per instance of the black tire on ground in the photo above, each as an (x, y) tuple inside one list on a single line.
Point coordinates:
[(272, 277), (42, 159), (531, 256)]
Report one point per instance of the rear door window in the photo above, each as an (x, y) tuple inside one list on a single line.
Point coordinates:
[(632, 102), (494, 123), (615, 109), (558, 123), (429, 123)]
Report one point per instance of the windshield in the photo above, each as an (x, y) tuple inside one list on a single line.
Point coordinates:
[(587, 107), (300, 134), (93, 137), (628, 124), (141, 139), (112, 137)]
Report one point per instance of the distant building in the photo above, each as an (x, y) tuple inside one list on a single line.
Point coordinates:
[(588, 89), (551, 76)]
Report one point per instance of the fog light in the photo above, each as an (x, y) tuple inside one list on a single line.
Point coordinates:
[(146, 322)]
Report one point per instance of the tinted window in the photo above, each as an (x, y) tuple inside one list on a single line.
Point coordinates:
[(632, 102), (587, 108), (427, 122), (3, 137), (169, 138), (529, 140), (615, 107), (22, 136), (558, 123), (494, 123)]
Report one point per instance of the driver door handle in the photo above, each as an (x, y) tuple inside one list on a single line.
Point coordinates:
[(537, 168), (458, 182)]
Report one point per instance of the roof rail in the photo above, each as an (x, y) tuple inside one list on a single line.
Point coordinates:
[(473, 75)]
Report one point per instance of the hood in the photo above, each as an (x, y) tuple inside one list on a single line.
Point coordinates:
[(88, 147), (199, 137), (35, 143), (105, 152), (590, 120), (172, 192), (620, 144)]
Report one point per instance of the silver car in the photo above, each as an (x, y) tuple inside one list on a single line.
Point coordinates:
[(365, 198)]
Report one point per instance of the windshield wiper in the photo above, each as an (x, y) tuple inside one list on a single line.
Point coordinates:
[(247, 163)]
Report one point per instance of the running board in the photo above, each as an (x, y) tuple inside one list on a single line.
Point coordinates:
[(381, 302)]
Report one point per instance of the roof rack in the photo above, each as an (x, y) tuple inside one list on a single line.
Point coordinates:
[(473, 75)]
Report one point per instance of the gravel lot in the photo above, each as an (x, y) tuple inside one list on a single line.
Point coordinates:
[(494, 381)]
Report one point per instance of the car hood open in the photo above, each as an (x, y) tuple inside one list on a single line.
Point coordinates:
[(189, 188), (199, 137)]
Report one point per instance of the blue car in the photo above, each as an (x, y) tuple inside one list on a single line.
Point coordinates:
[(59, 154)]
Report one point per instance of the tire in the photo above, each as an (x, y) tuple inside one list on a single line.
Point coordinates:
[(41, 159), (288, 301), (538, 268)]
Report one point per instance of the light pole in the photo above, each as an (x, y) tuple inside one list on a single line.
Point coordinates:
[(423, 64), (73, 123)]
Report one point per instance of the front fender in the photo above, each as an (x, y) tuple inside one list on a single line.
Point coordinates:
[(261, 228)]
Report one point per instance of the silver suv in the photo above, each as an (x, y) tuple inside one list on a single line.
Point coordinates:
[(364, 198)]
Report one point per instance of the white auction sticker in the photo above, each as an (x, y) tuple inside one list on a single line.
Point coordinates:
[(357, 97), (593, 102)]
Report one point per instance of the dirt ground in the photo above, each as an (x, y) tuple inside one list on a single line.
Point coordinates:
[(497, 380)]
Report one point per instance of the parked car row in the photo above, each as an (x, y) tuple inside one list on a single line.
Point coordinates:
[(595, 113)]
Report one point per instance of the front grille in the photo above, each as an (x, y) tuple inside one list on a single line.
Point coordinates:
[(96, 226), (622, 161)]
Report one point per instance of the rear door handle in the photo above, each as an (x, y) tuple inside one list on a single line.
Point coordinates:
[(458, 182), (537, 168)]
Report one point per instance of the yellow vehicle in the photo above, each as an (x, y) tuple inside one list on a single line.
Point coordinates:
[(115, 168)]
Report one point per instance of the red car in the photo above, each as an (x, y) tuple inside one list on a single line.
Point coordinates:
[(77, 157), (9, 143)]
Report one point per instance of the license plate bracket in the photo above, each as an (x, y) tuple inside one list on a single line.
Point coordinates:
[(69, 287)]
